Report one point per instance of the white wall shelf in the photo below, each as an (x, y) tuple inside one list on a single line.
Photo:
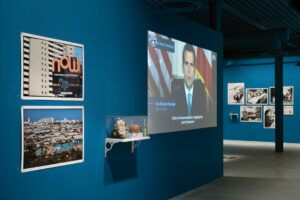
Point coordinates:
[(233, 116), (135, 141)]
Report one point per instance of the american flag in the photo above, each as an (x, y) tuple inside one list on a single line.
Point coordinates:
[(159, 71)]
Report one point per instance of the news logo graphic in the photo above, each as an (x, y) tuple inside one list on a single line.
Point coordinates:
[(182, 87), (152, 39), (51, 69)]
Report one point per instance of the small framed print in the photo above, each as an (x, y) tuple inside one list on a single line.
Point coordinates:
[(235, 93), (288, 95), (269, 117), (51, 69), (257, 96), (251, 113), (272, 95), (52, 136), (288, 110)]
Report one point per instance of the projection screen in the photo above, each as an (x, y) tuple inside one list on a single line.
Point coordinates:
[(182, 85)]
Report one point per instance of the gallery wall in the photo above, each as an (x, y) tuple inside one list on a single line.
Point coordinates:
[(114, 35), (259, 73)]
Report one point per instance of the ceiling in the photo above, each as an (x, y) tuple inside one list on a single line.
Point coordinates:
[(245, 16)]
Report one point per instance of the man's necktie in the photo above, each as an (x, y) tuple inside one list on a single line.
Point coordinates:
[(189, 103)]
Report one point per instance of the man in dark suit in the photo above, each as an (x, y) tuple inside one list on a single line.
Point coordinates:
[(189, 94)]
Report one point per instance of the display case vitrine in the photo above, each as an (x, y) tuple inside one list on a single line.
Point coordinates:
[(120, 129)]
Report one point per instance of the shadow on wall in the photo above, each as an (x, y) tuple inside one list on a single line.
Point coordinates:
[(120, 164)]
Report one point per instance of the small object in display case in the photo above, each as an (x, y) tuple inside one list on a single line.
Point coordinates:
[(120, 129), (125, 129), (136, 130)]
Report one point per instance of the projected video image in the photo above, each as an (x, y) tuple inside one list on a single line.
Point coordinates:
[(181, 85)]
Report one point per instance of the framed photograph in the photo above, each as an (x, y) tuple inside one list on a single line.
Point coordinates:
[(258, 96), (51, 69), (251, 113), (288, 95), (269, 116), (288, 110), (51, 136), (235, 92), (272, 95)]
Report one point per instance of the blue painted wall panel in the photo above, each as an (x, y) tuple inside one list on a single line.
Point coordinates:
[(260, 73), (114, 34)]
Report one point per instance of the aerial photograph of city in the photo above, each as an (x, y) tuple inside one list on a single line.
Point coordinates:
[(51, 136)]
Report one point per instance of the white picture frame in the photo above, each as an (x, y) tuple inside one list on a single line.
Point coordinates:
[(269, 117), (236, 93), (250, 113), (288, 95), (39, 81), (257, 96), (288, 110), (272, 95), (44, 143)]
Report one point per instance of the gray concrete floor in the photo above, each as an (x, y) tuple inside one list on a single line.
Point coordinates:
[(252, 170)]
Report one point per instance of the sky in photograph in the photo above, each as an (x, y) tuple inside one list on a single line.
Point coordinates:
[(57, 114), (78, 53)]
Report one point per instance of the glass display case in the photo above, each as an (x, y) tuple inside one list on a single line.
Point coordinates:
[(125, 129)]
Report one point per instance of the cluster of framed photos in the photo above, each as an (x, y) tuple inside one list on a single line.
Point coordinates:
[(260, 102), (51, 70)]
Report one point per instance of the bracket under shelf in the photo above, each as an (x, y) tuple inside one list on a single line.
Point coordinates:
[(135, 141)]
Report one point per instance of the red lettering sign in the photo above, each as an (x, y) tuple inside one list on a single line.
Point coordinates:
[(67, 63)]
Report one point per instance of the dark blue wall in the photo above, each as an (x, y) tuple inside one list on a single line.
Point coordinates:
[(114, 34), (260, 73)]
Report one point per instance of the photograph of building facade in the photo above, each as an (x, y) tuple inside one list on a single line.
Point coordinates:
[(51, 68), (51, 136)]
